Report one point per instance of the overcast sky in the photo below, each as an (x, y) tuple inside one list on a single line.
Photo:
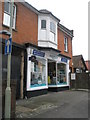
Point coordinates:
[(73, 14)]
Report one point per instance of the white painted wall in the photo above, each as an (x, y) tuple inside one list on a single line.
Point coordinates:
[(67, 72), (28, 69), (45, 36), (47, 44)]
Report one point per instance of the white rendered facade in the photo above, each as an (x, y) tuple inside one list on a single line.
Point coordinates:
[(47, 38)]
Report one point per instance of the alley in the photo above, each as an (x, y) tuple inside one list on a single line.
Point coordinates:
[(64, 104)]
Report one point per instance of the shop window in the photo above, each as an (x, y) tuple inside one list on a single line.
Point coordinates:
[(38, 73), (6, 20), (43, 24), (65, 44), (61, 73)]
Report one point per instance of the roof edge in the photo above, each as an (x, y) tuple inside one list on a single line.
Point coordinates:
[(66, 30), (29, 6), (44, 11)]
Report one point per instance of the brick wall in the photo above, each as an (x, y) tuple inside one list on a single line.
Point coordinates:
[(26, 25), (61, 45), (0, 15), (27, 30)]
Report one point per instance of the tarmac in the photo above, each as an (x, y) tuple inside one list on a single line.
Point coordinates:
[(63, 104), (0, 102)]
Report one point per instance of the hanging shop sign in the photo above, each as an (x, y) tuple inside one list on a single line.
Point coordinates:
[(38, 53), (64, 59), (32, 58)]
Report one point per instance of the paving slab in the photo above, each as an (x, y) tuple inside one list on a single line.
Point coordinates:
[(64, 104)]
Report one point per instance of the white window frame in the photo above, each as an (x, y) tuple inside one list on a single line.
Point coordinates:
[(6, 19), (42, 25), (52, 27), (53, 30), (65, 44)]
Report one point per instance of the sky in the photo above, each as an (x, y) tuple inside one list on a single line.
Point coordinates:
[(73, 14)]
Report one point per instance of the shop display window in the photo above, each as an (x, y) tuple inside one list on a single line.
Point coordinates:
[(38, 73), (61, 73)]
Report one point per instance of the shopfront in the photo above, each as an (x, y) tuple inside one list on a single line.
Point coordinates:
[(46, 70), (58, 73), (36, 71)]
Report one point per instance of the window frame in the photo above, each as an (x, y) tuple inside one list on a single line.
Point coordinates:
[(9, 8), (52, 27), (8, 13), (65, 44), (42, 25)]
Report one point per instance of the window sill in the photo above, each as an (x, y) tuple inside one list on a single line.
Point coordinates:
[(43, 29), (65, 51), (52, 32), (8, 28)]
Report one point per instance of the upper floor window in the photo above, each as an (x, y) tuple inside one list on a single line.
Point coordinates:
[(52, 27), (65, 44), (52, 31), (43, 24), (6, 20)]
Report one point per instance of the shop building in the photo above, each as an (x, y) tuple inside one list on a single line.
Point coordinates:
[(48, 49), (47, 70)]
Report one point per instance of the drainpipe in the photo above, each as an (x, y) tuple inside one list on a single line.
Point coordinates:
[(22, 74)]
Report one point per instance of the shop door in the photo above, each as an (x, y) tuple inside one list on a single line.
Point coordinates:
[(51, 72)]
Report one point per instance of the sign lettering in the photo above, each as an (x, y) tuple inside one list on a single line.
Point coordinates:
[(64, 60), (38, 53)]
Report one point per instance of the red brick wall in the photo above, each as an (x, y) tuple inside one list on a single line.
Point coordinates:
[(88, 64), (61, 45), (0, 15), (26, 25)]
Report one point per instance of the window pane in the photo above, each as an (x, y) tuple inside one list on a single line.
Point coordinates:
[(6, 20), (14, 16), (65, 44), (61, 73), (43, 23), (52, 27), (6, 7), (38, 73)]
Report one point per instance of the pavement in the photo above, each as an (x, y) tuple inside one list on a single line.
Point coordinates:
[(63, 104), (0, 101)]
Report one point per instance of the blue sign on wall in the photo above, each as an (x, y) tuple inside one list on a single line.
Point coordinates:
[(64, 59), (38, 53), (8, 46)]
